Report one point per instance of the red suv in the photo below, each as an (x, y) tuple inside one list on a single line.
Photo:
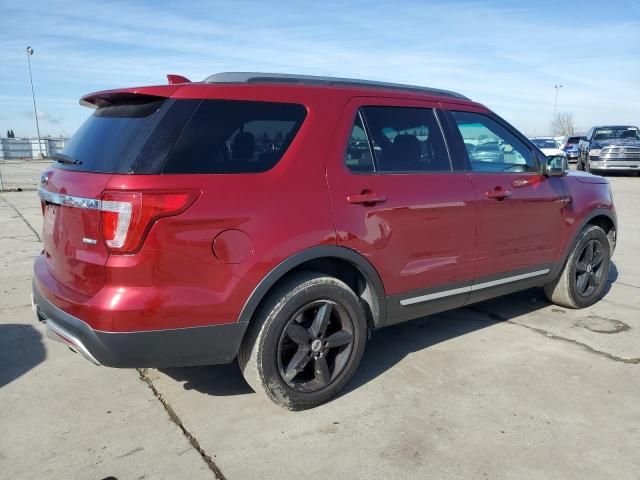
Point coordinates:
[(278, 219)]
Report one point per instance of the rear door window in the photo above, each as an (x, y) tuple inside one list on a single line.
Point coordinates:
[(406, 139), (229, 136), (358, 155)]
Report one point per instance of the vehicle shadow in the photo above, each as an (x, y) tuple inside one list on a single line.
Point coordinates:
[(21, 349), (216, 380), (613, 276), (388, 346)]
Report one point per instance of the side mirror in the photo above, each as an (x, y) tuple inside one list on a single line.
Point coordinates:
[(556, 166)]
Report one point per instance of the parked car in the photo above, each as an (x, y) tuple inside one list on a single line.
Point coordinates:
[(570, 147), (610, 148), (548, 146), (488, 152), (279, 219)]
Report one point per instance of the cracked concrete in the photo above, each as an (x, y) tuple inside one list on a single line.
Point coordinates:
[(29, 226), (497, 318), (510, 388), (180, 424)]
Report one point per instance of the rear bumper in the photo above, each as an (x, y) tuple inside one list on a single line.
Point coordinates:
[(208, 345)]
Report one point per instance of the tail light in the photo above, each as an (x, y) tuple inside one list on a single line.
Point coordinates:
[(127, 217)]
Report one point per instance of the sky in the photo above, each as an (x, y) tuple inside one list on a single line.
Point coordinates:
[(505, 54)]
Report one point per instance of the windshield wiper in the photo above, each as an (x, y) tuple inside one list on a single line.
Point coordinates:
[(62, 158)]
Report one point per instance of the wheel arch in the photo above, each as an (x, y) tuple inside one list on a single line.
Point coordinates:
[(343, 263), (600, 217)]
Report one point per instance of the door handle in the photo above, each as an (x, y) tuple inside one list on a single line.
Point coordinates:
[(367, 197), (498, 193), (521, 182)]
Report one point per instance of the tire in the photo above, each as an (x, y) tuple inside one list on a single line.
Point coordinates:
[(568, 289), (286, 354)]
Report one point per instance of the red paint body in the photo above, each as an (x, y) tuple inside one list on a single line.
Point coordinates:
[(431, 229)]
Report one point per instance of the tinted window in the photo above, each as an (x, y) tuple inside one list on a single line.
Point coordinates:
[(358, 154), (406, 140), (153, 151), (105, 142), (491, 147), (228, 136)]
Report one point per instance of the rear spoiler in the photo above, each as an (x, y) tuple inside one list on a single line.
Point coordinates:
[(106, 98)]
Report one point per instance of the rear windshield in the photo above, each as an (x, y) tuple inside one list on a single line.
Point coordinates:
[(184, 136), (104, 141), (544, 143)]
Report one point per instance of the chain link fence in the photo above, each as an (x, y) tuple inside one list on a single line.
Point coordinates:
[(28, 148)]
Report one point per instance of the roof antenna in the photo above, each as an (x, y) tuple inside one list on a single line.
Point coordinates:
[(177, 79)]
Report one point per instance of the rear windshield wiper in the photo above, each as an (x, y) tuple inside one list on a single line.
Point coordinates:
[(62, 158)]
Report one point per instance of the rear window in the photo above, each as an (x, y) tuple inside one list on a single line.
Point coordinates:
[(406, 139), (229, 136), (157, 135), (544, 143), (105, 141)]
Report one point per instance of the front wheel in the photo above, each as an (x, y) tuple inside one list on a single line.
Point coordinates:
[(306, 341), (584, 276)]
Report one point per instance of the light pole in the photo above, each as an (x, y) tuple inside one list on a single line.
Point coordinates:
[(33, 96), (555, 105)]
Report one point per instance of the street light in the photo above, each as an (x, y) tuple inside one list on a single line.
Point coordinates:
[(555, 105), (33, 96)]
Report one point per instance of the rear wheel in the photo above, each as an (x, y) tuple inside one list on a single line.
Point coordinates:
[(584, 276), (306, 342)]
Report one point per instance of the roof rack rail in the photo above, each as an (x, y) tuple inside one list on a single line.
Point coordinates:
[(284, 78)]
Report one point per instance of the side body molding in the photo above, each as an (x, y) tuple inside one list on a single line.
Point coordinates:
[(375, 295)]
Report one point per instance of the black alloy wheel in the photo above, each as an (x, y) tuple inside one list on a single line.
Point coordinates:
[(583, 278), (315, 346), (589, 269), (305, 342)]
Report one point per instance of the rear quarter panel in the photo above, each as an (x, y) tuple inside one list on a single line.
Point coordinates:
[(283, 211)]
